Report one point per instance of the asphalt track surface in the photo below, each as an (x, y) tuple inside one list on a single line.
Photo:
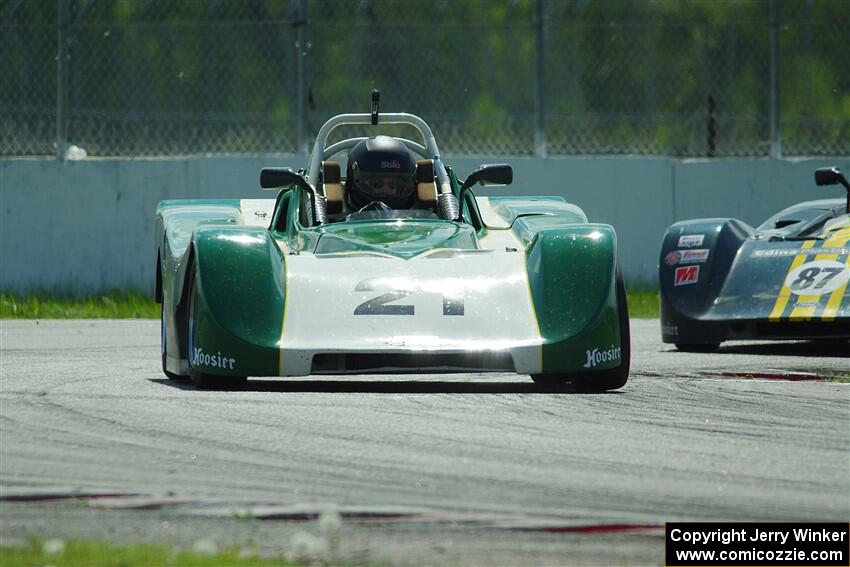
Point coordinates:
[(425, 469)]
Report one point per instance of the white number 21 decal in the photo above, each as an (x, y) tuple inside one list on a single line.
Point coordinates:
[(381, 304)]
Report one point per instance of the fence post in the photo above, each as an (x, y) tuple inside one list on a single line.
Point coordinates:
[(301, 128), (712, 128), (539, 124), (775, 133), (61, 78)]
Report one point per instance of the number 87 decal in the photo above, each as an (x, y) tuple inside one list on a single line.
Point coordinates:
[(818, 277)]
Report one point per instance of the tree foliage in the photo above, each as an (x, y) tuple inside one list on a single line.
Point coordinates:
[(619, 76)]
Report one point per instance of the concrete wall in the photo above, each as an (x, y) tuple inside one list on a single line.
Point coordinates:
[(83, 227)]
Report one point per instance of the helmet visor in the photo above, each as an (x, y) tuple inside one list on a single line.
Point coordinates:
[(385, 185)]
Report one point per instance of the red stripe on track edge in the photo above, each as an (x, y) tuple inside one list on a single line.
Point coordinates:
[(793, 376), (600, 528)]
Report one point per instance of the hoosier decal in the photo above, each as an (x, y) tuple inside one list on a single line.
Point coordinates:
[(596, 357), (686, 275), (200, 358)]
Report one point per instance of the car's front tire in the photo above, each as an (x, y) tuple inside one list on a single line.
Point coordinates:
[(601, 380), (202, 380), (164, 349)]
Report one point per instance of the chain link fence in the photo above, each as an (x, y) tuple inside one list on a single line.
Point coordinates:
[(660, 77)]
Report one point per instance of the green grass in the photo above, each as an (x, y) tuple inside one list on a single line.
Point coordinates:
[(841, 379), (81, 553), (643, 304), (111, 305)]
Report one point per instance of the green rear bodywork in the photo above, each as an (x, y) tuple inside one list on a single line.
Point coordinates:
[(239, 273)]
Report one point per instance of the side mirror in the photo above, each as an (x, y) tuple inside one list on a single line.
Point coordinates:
[(490, 174), (277, 177), (831, 176)]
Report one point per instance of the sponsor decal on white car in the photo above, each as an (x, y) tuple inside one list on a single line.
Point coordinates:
[(596, 357), (691, 240)]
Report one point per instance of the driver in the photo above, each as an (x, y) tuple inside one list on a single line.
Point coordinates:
[(380, 169)]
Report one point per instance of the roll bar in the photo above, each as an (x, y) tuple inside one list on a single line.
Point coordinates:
[(351, 142), (429, 150)]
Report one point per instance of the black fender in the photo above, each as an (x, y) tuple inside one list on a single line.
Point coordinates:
[(695, 259)]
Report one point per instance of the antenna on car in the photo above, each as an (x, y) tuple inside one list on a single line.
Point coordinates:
[(376, 104)]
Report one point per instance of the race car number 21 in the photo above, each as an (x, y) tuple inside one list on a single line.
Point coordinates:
[(384, 304), (818, 277)]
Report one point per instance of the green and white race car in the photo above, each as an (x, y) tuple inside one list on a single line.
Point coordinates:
[(395, 267)]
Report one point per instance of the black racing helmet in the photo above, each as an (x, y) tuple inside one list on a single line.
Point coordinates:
[(381, 169)]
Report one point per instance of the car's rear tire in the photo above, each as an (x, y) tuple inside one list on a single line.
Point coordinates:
[(698, 347), (164, 349), (601, 380), (202, 380)]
